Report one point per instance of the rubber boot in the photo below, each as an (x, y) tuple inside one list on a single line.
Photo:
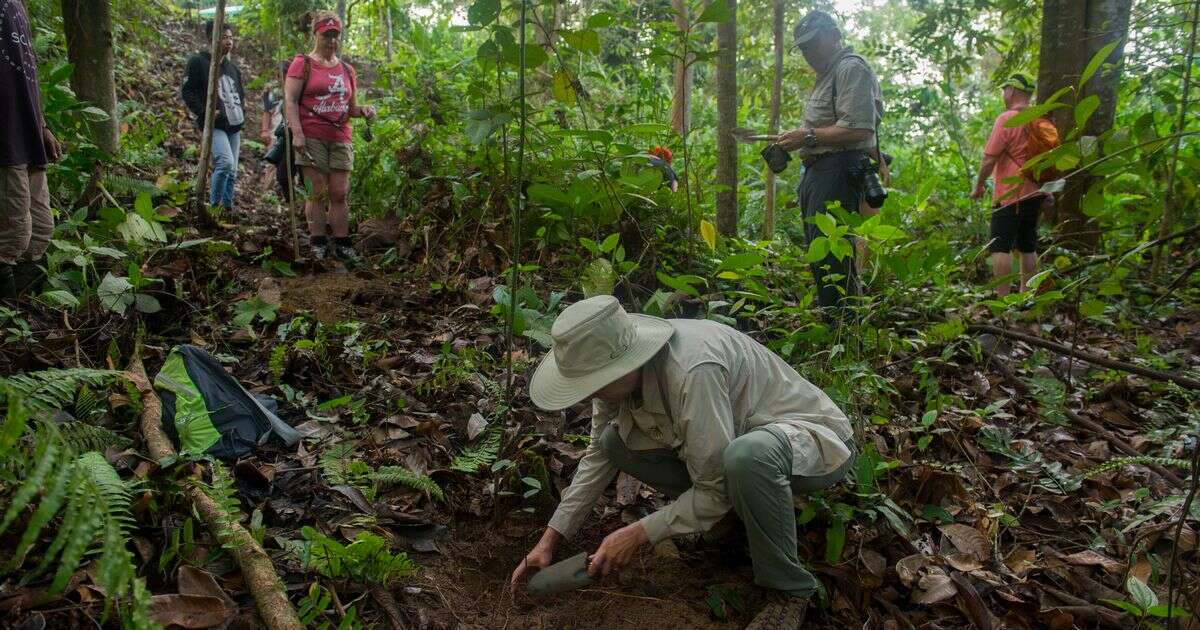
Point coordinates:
[(8, 286), (28, 276)]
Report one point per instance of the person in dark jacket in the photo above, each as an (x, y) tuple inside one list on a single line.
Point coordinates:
[(26, 147), (231, 116)]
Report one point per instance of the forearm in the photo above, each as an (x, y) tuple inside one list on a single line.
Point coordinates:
[(291, 112), (550, 539), (831, 136), (985, 170)]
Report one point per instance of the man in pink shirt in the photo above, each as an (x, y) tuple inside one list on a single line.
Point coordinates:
[(1016, 198)]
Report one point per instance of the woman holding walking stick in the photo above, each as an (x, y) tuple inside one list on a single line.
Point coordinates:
[(319, 102)]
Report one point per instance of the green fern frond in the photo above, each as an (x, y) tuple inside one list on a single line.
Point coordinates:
[(278, 362), (89, 405), (224, 494), (82, 437), (136, 614), (1141, 460), (335, 463), (471, 459), (45, 458), (393, 475), (54, 389), (120, 185)]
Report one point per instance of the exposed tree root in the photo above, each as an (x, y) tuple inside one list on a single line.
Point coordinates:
[(257, 570)]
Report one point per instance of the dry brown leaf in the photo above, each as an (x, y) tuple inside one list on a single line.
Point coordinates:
[(968, 540), (964, 562), (627, 489), (934, 588), (875, 563), (909, 568), (1020, 561), (1093, 558), (188, 611)]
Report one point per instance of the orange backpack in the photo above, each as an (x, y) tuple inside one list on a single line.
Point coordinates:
[(1040, 136)]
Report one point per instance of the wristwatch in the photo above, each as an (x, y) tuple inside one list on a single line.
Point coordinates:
[(810, 138)]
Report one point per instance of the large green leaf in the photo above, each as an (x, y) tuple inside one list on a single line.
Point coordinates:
[(1029, 113), (717, 11), (1141, 594), (744, 260), (483, 12), (585, 41), (1094, 65), (1084, 110)]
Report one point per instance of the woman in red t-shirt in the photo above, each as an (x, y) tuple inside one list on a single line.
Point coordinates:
[(319, 103)]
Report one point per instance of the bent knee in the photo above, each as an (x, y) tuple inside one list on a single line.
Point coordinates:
[(748, 454), (610, 442)]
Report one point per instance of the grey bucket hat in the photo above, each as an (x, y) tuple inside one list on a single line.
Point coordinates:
[(810, 25), (595, 343)]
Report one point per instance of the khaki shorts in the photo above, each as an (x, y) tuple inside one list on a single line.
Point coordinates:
[(326, 156), (26, 222)]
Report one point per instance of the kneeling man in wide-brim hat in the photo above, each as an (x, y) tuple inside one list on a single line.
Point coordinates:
[(704, 414)]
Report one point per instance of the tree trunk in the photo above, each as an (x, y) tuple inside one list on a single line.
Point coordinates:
[(727, 210), (341, 12), (210, 115), (387, 24), (1073, 31), (681, 100), (88, 28), (768, 230)]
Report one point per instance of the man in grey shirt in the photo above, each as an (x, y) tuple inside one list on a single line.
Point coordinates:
[(840, 121), (706, 415)]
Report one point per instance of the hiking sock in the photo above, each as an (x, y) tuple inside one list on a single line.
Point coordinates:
[(8, 286), (319, 241), (343, 241)]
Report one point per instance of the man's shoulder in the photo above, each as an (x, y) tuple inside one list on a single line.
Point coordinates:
[(696, 342)]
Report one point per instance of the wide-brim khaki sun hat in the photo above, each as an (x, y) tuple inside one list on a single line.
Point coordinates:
[(595, 343)]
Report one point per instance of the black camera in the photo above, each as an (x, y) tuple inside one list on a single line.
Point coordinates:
[(777, 158), (866, 173), (368, 135)]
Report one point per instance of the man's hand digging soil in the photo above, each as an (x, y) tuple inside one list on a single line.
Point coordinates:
[(617, 550), (537, 559)]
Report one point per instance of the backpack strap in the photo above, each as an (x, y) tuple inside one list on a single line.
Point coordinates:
[(304, 86)]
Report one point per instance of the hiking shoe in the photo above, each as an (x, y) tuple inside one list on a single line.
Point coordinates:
[(782, 611), (8, 286), (28, 276), (318, 252), (345, 252)]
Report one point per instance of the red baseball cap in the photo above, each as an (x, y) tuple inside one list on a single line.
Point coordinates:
[(327, 24)]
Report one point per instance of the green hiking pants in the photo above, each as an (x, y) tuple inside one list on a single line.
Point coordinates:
[(760, 486)]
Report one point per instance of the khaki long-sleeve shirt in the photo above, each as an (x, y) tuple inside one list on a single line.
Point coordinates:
[(709, 385)]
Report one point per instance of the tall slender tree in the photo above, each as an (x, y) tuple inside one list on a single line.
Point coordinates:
[(727, 208), (88, 27), (768, 228), (1074, 31), (681, 97)]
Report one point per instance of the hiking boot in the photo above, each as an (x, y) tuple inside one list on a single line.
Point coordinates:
[(28, 276), (782, 611), (724, 530), (343, 249), (319, 248), (8, 286)]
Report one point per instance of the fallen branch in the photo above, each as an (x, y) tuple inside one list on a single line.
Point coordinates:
[(257, 570), (1090, 426), (383, 597), (1082, 608), (1086, 356), (1121, 445)]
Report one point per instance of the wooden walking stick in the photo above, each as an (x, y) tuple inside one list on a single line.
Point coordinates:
[(291, 180)]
